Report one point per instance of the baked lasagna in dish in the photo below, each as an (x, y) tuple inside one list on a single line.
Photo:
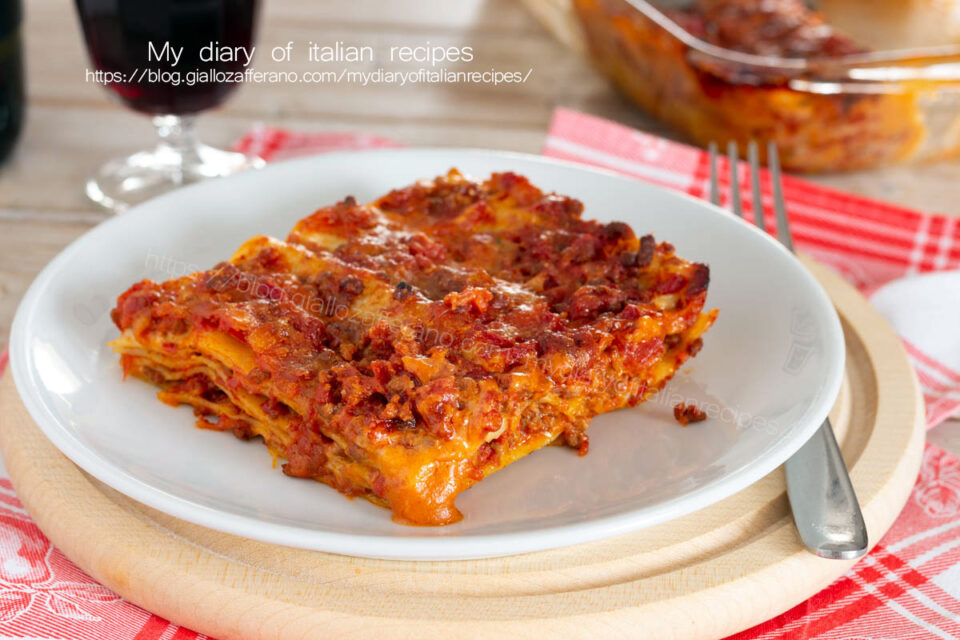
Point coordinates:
[(403, 350), (715, 100)]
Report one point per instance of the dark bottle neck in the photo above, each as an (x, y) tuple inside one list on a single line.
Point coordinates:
[(11, 14)]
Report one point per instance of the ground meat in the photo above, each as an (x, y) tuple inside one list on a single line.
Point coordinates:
[(687, 413), (402, 291)]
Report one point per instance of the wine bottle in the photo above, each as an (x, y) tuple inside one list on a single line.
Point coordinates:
[(11, 76)]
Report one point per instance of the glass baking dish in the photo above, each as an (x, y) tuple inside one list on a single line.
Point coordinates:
[(852, 85)]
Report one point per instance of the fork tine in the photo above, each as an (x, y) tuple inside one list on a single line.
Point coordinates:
[(752, 153), (779, 203), (714, 176), (735, 205)]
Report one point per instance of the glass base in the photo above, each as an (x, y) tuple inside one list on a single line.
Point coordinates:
[(177, 161), (124, 182)]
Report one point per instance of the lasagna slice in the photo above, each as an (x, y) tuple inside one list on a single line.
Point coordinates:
[(404, 349)]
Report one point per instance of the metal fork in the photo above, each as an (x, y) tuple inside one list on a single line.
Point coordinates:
[(824, 505)]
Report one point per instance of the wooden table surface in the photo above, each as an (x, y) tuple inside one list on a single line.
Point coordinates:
[(74, 126)]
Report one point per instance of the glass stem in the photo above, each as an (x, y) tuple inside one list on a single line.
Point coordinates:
[(177, 138)]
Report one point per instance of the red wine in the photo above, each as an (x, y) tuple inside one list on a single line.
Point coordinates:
[(123, 34), (11, 76)]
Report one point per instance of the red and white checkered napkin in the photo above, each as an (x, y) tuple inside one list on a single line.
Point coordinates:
[(907, 588)]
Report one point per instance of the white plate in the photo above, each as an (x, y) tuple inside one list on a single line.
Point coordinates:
[(924, 309), (767, 375)]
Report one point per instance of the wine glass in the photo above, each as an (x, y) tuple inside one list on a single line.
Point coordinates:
[(169, 59)]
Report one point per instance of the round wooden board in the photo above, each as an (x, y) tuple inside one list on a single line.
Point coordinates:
[(705, 575)]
